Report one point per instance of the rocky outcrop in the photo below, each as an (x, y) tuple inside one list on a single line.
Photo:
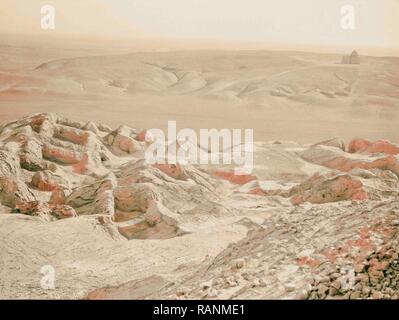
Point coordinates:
[(368, 147), (232, 177), (156, 223), (57, 168), (321, 189), (45, 210), (94, 198), (14, 191), (336, 142), (337, 159), (136, 197), (122, 141), (53, 168), (137, 289)]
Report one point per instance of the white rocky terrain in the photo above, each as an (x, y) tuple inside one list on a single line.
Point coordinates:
[(312, 220)]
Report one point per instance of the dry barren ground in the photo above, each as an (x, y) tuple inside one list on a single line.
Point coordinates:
[(317, 218)]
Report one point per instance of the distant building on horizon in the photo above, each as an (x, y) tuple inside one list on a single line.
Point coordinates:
[(354, 58)]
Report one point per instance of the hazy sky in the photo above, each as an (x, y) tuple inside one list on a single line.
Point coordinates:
[(315, 22)]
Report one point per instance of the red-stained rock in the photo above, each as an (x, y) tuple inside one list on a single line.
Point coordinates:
[(137, 197), (258, 192), (308, 261), (43, 124), (172, 170), (72, 134), (334, 158), (379, 265), (45, 210), (81, 166), (365, 146), (33, 208), (61, 155), (44, 181), (122, 141), (234, 178), (377, 295), (37, 121), (62, 211), (58, 197), (323, 189), (141, 136), (386, 163), (269, 188), (361, 195), (361, 242), (358, 145)]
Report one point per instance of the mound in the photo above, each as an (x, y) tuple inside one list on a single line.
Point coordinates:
[(52, 167)]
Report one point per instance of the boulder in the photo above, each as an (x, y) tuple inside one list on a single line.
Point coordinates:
[(136, 197), (45, 210), (323, 189), (62, 211), (61, 155), (156, 223), (58, 197), (43, 124)]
